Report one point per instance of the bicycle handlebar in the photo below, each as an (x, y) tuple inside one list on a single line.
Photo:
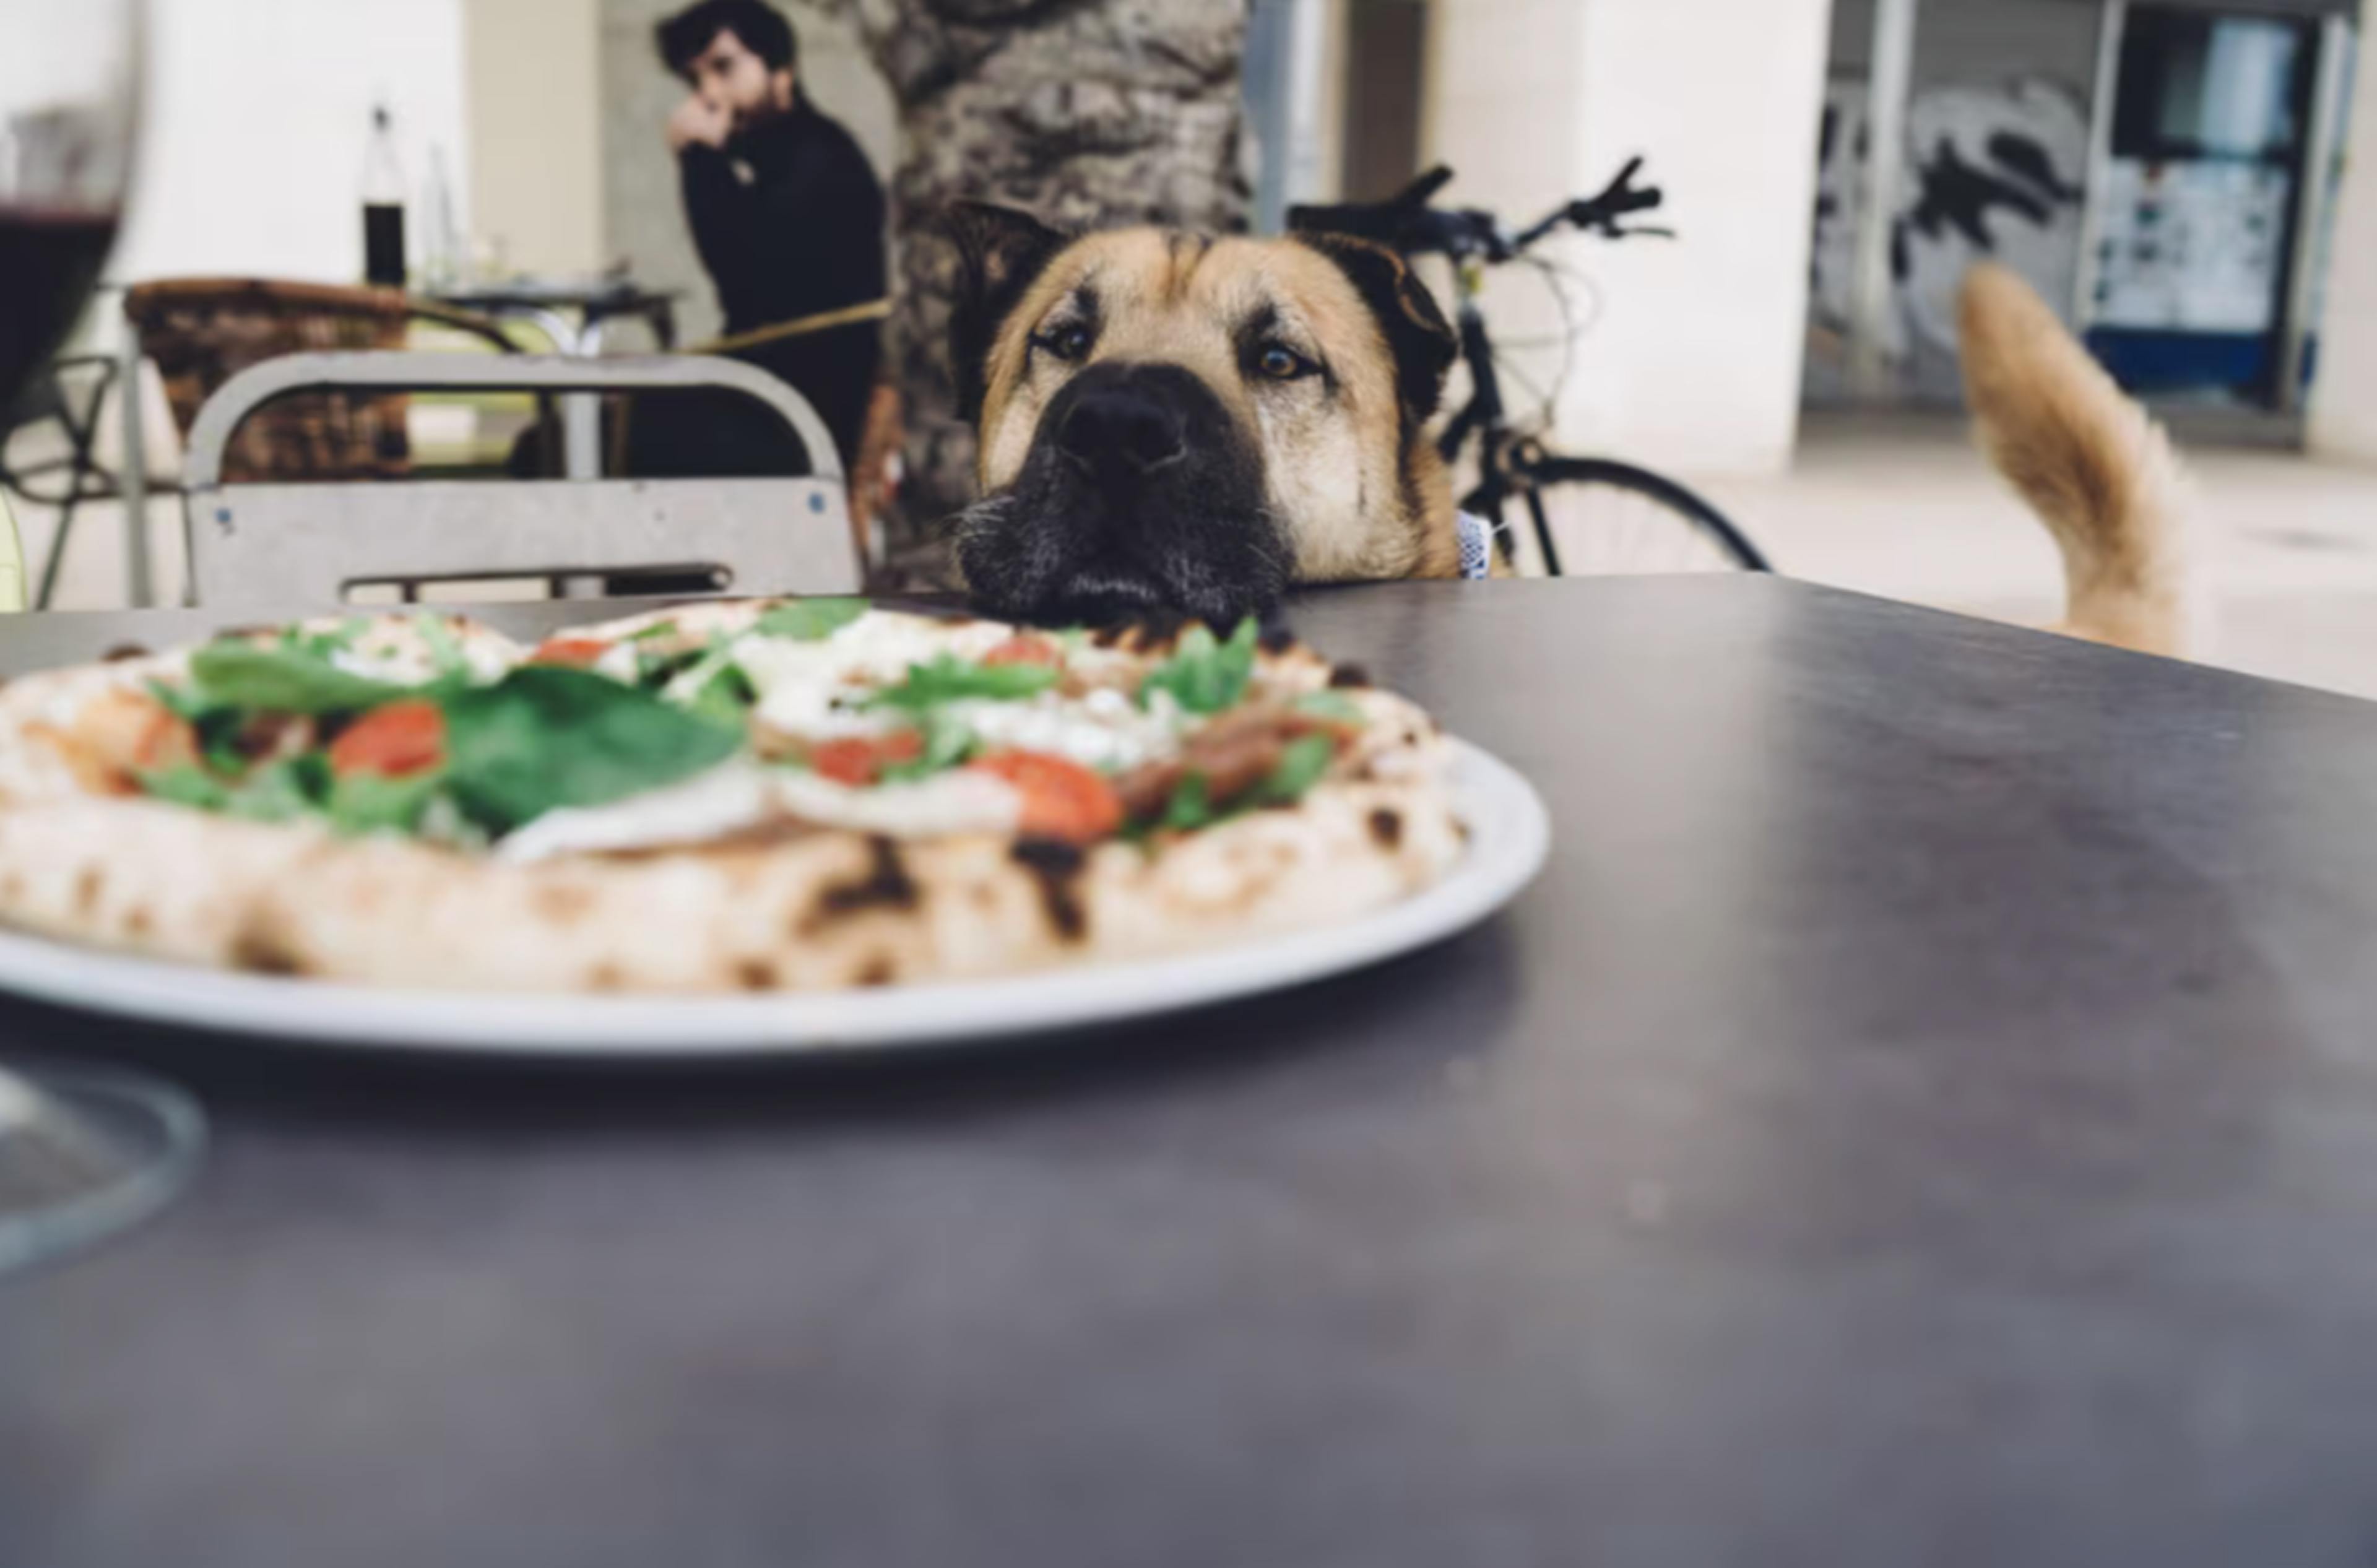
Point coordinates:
[(1404, 222)]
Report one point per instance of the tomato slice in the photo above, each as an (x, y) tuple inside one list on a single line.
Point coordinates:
[(575, 651), (1024, 649), (859, 760), (400, 738), (1062, 799)]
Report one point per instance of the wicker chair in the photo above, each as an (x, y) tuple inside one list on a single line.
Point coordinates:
[(202, 331)]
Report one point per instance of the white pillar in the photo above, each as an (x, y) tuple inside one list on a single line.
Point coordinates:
[(1694, 360), (2343, 421), (1873, 292), (536, 134)]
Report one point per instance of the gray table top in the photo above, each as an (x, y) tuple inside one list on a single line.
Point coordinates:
[(1927, 1112)]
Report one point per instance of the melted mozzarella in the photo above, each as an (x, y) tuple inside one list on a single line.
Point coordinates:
[(799, 683), (619, 662), (741, 793), (735, 795), (1102, 729)]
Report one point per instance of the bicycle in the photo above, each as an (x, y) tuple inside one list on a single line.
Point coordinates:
[(1685, 532)]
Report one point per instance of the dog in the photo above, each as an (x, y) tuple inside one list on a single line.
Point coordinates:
[(1171, 422)]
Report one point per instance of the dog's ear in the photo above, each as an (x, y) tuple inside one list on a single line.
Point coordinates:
[(1421, 340), (1000, 250)]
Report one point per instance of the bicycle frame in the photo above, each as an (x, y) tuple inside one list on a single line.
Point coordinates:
[(1485, 416)]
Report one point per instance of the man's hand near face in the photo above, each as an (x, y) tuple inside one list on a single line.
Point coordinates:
[(694, 120)]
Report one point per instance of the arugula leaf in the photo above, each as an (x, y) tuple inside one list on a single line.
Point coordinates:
[(1203, 676), (725, 698), (286, 680), (182, 702), (809, 620), (322, 644), (950, 679), (658, 628), (282, 791), (948, 741), (365, 803), (1333, 706), (444, 649), (1300, 767), (185, 785), (1190, 806), (546, 737)]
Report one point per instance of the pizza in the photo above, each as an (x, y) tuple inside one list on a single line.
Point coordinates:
[(789, 794)]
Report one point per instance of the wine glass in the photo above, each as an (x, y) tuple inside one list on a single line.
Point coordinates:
[(83, 1150)]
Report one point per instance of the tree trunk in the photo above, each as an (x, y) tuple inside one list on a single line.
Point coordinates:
[(1088, 113)]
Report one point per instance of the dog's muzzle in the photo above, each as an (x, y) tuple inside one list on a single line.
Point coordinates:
[(1140, 493)]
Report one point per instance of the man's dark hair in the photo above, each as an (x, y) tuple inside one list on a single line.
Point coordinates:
[(761, 28)]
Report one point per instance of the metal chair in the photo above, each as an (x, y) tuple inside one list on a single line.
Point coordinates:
[(274, 545)]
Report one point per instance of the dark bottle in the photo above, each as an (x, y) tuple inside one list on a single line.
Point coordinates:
[(383, 207)]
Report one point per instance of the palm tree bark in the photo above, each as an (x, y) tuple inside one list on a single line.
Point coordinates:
[(1088, 113)]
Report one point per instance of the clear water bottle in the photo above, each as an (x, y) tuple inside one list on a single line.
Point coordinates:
[(383, 206)]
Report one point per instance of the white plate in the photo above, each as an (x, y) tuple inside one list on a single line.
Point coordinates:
[(1509, 836)]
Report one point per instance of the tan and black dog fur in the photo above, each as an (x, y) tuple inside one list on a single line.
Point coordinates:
[(1172, 421)]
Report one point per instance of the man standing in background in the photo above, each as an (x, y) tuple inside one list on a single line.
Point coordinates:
[(786, 211)]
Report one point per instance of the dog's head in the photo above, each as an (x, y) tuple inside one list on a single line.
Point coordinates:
[(1172, 422)]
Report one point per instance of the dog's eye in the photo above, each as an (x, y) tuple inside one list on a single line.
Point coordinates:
[(1280, 362), (1070, 344)]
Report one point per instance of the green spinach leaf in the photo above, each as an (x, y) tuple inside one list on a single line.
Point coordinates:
[(283, 680), (546, 737), (809, 620)]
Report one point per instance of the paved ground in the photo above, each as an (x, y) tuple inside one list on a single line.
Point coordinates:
[(1902, 508)]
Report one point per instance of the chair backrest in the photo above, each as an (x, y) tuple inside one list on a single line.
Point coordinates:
[(202, 331), (277, 544)]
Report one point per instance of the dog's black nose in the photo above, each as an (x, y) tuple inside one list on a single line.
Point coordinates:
[(1121, 432)]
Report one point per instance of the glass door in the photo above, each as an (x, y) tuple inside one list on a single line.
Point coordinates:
[(2199, 204)]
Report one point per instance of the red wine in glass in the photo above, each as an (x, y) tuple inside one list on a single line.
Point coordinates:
[(50, 260)]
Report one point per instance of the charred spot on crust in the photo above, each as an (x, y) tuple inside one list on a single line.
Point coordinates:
[(1277, 640), (1055, 868), (876, 971), (87, 887), (885, 885), (122, 652), (1349, 677), (260, 949), (1387, 827), (756, 975)]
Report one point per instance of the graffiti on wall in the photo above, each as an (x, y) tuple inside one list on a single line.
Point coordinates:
[(1992, 173)]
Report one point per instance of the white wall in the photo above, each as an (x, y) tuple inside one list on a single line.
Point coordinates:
[(2343, 422), (1693, 361), (251, 153), (535, 76)]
